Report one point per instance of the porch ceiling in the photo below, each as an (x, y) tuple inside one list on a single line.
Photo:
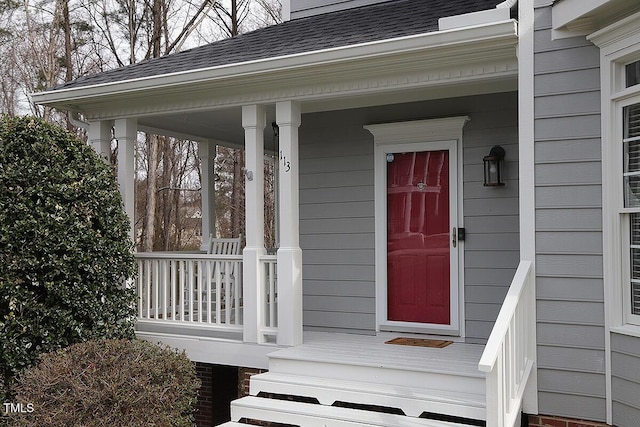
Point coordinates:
[(224, 126)]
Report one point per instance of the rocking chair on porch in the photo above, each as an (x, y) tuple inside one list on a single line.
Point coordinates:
[(216, 246), (224, 246)]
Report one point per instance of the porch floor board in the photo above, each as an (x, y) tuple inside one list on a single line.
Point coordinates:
[(363, 350)]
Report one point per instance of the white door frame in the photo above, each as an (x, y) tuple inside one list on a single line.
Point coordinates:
[(414, 136)]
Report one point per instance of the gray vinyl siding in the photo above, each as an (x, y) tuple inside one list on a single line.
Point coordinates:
[(337, 225), (570, 307), (625, 379), (490, 217), (303, 8), (337, 215)]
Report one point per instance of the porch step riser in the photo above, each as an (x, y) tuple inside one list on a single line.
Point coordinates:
[(312, 415), (412, 402), (448, 382)]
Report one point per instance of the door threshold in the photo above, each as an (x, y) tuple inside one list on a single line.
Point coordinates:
[(419, 328)]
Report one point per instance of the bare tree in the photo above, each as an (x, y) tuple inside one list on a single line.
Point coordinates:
[(44, 43)]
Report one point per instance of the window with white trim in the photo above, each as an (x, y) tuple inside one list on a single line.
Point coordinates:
[(619, 45), (631, 179)]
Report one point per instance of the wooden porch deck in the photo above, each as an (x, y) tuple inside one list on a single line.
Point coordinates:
[(370, 350)]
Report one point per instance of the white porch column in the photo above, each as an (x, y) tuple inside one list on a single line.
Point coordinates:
[(207, 153), (289, 253), (126, 135), (253, 120), (99, 137)]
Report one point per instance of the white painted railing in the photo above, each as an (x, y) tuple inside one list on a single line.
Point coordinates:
[(509, 357), (193, 289), (269, 295)]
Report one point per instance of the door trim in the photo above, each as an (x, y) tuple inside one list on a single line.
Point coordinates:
[(419, 135)]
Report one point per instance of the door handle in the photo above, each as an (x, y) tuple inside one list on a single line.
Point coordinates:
[(454, 239)]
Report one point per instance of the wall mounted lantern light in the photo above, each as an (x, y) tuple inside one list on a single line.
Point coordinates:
[(493, 165)]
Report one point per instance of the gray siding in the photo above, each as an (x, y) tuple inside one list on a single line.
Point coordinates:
[(571, 337), (625, 380), (302, 8), (337, 211), (337, 225)]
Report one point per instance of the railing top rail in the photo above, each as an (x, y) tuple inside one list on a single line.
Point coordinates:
[(186, 256), (268, 257), (490, 354)]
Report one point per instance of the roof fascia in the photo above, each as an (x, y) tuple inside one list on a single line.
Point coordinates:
[(572, 18), (71, 98), (567, 11), (474, 18)]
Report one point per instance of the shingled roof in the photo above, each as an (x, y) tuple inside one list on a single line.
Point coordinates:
[(331, 30)]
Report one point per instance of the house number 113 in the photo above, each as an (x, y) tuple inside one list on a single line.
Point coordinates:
[(285, 163)]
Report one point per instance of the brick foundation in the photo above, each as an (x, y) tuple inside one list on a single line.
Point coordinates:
[(204, 407), (244, 377), (551, 421), (219, 387)]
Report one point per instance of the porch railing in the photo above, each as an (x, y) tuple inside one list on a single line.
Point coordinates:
[(193, 289), (269, 296), (509, 357)]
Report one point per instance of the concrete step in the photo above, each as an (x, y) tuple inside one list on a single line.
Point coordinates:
[(412, 401), (315, 415)]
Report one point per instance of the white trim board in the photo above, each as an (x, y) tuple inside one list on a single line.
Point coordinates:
[(419, 135)]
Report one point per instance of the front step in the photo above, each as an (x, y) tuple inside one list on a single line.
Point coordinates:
[(413, 402), (314, 415), (449, 369), (340, 380)]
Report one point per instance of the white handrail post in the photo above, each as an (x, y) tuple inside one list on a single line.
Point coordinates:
[(530, 397), (289, 254), (509, 358), (254, 121)]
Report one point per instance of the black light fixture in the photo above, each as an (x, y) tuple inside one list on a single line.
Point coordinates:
[(493, 167)]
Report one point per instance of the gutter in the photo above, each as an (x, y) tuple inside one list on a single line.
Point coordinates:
[(508, 4), (74, 119), (484, 33)]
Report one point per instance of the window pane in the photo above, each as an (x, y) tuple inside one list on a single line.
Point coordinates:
[(632, 191), (631, 150), (632, 156), (635, 229), (634, 222), (635, 264), (633, 73), (632, 121)]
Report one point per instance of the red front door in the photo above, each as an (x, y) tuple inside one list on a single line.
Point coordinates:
[(418, 240)]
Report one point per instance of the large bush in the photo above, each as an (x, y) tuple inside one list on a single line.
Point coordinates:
[(114, 383), (65, 250)]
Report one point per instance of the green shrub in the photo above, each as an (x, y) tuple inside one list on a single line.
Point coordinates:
[(115, 383), (65, 250)]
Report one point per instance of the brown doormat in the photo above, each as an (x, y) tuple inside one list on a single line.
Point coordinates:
[(419, 342)]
